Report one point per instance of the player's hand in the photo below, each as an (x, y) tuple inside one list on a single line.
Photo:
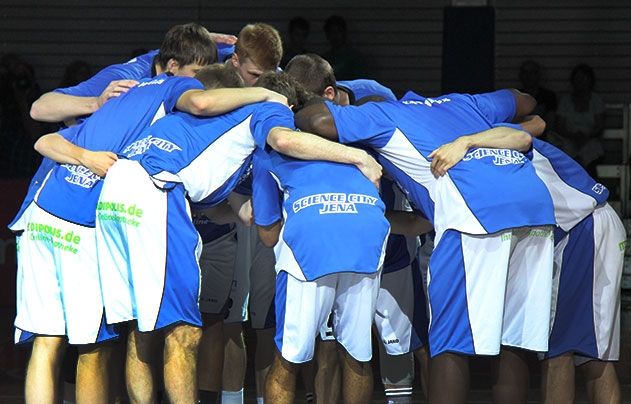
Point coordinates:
[(98, 162), (276, 97), (223, 38), (447, 156), (115, 89), (371, 169)]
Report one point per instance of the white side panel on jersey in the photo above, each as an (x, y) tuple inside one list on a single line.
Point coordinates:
[(285, 259), (218, 162), (450, 206), (570, 205)]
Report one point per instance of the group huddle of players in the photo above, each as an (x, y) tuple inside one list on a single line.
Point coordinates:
[(154, 213)]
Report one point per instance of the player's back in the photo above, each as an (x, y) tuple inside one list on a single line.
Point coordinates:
[(334, 217), (71, 191), (361, 88)]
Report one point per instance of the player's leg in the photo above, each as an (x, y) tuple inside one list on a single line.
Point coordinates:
[(302, 308), (307, 374), (180, 363), (235, 357), (40, 385), (328, 377), (557, 379), (353, 315), (217, 269), (140, 366), (93, 381), (601, 382), (512, 376), (466, 319), (210, 359), (262, 319), (397, 376), (422, 357)]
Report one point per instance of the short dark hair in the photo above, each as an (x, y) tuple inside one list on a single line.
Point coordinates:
[(219, 75), (335, 21), (187, 43), (286, 85), (313, 72), (299, 23)]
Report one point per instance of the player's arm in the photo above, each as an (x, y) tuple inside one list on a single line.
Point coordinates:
[(316, 118), (524, 104), (407, 223), (221, 100), (235, 208), (59, 107), (307, 146), (57, 148), (269, 234), (501, 137)]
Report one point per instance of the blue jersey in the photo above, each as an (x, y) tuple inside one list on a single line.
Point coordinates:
[(334, 218), (358, 89), (208, 155), (482, 194), (71, 191), (575, 194)]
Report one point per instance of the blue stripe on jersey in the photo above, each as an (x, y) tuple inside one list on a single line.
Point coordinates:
[(182, 274), (573, 329), (280, 301), (449, 330), (361, 88), (71, 191)]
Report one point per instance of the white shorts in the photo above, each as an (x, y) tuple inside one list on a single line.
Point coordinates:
[(588, 271), (58, 287), (303, 308), (217, 264), (148, 251), (401, 306), (490, 290), (262, 286)]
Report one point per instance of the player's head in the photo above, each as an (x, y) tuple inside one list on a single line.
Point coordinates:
[(286, 85), (186, 48), (259, 49), (314, 73), (219, 76)]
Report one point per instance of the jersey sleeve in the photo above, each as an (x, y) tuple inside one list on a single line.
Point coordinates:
[(266, 116), (135, 69), (266, 198), (179, 85), (366, 124), (70, 133), (498, 106)]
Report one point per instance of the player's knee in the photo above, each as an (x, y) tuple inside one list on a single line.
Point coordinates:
[(185, 337)]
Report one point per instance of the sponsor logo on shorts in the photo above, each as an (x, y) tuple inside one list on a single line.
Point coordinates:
[(506, 237), (118, 212), (501, 157), (622, 245), (58, 238), (333, 202), (81, 176), (540, 233), (142, 145), (391, 341), (599, 188), (428, 102)]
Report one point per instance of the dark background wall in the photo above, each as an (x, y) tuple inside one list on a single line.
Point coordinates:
[(403, 39)]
